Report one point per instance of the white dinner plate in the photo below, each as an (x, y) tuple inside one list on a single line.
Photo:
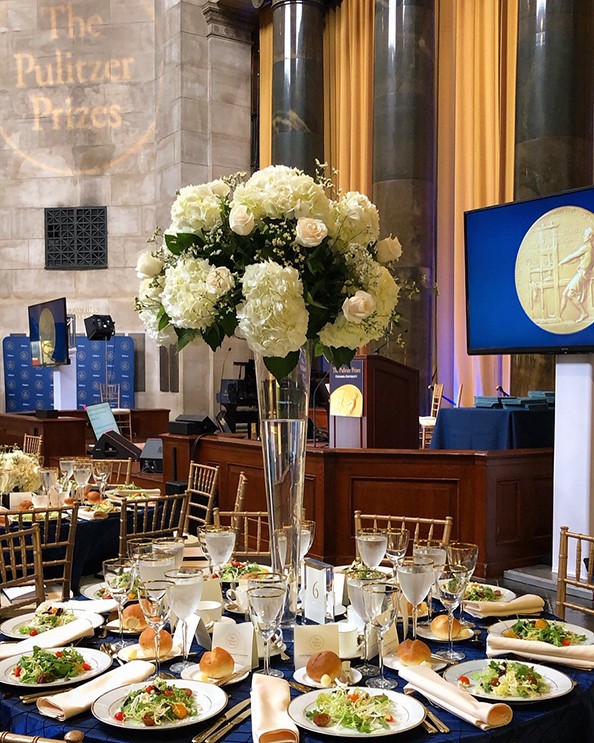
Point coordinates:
[(393, 662), (301, 676), (506, 594), (98, 661), (114, 626), (193, 673), (425, 632), (408, 713), (558, 683), (96, 591), (382, 569), (116, 497), (500, 627), (10, 627), (134, 652), (211, 700)]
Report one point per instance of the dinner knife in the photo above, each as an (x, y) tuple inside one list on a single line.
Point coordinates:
[(230, 713), (229, 726)]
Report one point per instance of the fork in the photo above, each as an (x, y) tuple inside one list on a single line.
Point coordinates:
[(439, 725), (108, 648)]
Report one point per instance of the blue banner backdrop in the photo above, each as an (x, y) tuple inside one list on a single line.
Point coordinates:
[(29, 388)]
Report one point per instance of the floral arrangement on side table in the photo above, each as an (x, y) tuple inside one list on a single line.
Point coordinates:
[(18, 471), (274, 260)]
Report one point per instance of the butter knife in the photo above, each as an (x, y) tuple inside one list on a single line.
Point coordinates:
[(201, 737), (229, 726)]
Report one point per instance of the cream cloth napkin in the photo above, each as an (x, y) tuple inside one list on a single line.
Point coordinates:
[(576, 656), (456, 700), (270, 721), (97, 606), (73, 702), (53, 638), (528, 604)]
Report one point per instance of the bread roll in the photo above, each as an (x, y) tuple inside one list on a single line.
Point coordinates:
[(134, 618), (324, 663), (439, 627), (70, 501), (25, 505), (217, 663), (413, 652), (147, 643), (94, 496)]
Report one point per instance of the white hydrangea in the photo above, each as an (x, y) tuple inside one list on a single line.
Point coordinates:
[(198, 208), (165, 337), (273, 318), (150, 290), (355, 219), (22, 470)]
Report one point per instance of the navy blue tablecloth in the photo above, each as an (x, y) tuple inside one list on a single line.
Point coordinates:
[(486, 429), (568, 719)]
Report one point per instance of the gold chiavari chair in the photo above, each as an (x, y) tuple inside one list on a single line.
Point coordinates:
[(57, 532), (72, 736), (121, 472), (583, 570), (21, 566), (427, 422), (162, 516), (32, 445), (202, 487), (123, 417), (203, 477), (110, 393), (252, 530), (420, 528)]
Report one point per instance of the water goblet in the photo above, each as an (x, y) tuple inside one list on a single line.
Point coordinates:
[(153, 565), (415, 575), (185, 593), (371, 545), (436, 551), (355, 593), (396, 547), (451, 585), (49, 478), (266, 604), (218, 543), (172, 546), (464, 554), (381, 605), (136, 547), (155, 602), (118, 576), (102, 469), (306, 537), (82, 474)]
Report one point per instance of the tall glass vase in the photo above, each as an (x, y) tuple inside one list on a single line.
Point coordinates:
[(283, 406)]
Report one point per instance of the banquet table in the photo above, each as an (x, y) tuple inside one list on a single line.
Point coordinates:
[(568, 718)]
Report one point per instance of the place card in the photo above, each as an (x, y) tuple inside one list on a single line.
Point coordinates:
[(318, 596), (391, 640), (339, 587), (239, 640), (203, 637), (192, 625), (211, 590), (310, 639)]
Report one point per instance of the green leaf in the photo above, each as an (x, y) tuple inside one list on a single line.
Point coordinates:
[(213, 336), (229, 323), (280, 367), (163, 319), (341, 356), (184, 336)]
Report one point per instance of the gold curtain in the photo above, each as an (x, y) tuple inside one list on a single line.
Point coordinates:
[(476, 93), (265, 87)]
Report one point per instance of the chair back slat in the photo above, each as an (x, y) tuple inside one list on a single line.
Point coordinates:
[(121, 472), (252, 530), (21, 565), (582, 544), (32, 444), (110, 392), (162, 516), (203, 477), (419, 527)]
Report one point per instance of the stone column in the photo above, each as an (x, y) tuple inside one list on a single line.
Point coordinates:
[(404, 162), (297, 84), (554, 98)]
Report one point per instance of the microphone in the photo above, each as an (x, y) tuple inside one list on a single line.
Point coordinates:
[(317, 387), (499, 388)]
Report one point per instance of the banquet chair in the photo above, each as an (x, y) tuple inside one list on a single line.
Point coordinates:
[(161, 516), (240, 495), (110, 393), (252, 532), (202, 486), (203, 477), (459, 395), (32, 445), (72, 736), (21, 567), (427, 422), (121, 472), (57, 533), (420, 528), (583, 573), (123, 417)]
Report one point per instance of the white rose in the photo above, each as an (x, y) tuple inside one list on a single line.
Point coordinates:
[(389, 249), (220, 188), (357, 308), (219, 280), (148, 266), (241, 220), (310, 232)]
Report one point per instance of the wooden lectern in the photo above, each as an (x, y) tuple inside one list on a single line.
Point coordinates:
[(390, 409)]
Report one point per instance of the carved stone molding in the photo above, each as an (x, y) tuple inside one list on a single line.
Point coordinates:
[(230, 19), (323, 4)]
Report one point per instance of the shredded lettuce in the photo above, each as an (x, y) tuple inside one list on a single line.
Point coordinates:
[(354, 709), (507, 678), (158, 703), (544, 630)]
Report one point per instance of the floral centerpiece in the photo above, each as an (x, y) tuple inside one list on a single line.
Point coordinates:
[(18, 471)]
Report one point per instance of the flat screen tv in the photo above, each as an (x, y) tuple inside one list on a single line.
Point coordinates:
[(48, 333), (530, 275), (101, 418)]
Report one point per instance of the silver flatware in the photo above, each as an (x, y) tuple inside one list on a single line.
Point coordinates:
[(434, 719), (231, 677), (221, 720), (30, 698), (229, 726), (107, 647)]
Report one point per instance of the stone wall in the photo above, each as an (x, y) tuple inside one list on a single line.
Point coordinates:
[(116, 104)]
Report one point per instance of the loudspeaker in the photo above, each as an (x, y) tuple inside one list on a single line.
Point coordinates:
[(112, 445), (99, 327), (174, 487), (151, 459), (45, 413), (192, 425)]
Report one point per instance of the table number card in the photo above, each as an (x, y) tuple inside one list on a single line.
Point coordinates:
[(318, 597), (239, 640), (192, 626), (391, 640), (202, 635), (211, 590), (311, 639)]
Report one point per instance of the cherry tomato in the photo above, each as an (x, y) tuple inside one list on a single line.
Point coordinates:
[(565, 643), (17, 671), (58, 653), (119, 716), (353, 697), (322, 720), (87, 666), (148, 689), (389, 718), (148, 720), (188, 691), (168, 693), (495, 682), (33, 633), (464, 680)]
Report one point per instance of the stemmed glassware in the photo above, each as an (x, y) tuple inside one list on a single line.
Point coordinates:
[(451, 585), (82, 474), (371, 545), (118, 576), (396, 547), (307, 534), (137, 547), (355, 593), (171, 546), (218, 543), (102, 469), (155, 602), (436, 551), (266, 603), (67, 468), (153, 565), (381, 606), (464, 554), (185, 593), (49, 478), (415, 575)]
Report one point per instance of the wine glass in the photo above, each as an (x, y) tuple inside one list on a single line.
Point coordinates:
[(355, 593), (451, 585), (435, 550), (49, 478), (102, 469), (67, 468), (118, 576), (306, 537), (218, 543), (172, 546), (371, 544), (136, 547), (415, 575), (82, 474), (464, 554), (396, 547), (153, 565), (266, 603), (185, 594), (154, 596), (381, 605)]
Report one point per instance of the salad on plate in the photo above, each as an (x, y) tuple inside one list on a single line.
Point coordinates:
[(544, 630), (360, 571), (507, 678), (237, 569), (46, 666), (158, 703), (50, 618), (482, 592), (354, 709)]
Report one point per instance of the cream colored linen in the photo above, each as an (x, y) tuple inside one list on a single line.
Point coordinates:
[(53, 638), (270, 721), (456, 700), (73, 702), (576, 656), (97, 606), (528, 604)]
